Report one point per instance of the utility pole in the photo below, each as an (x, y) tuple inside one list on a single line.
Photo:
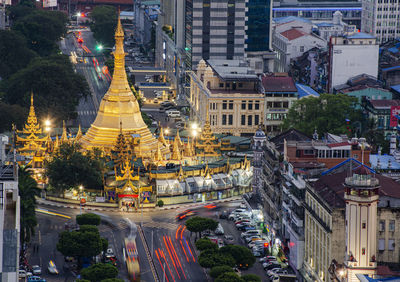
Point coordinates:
[(152, 240), (164, 272)]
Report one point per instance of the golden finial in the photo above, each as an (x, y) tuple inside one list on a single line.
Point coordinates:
[(64, 137), (178, 138), (119, 32), (161, 137), (78, 134), (176, 153)]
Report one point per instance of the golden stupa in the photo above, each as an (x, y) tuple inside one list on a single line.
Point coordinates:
[(119, 105)]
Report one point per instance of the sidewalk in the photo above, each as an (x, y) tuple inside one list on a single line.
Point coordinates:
[(169, 207)]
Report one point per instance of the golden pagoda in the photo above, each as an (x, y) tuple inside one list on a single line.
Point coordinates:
[(64, 136), (208, 143), (121, 149), (176, 151), (161, 137), (119, 105), (79, 134), (28, 140), (188, 150)]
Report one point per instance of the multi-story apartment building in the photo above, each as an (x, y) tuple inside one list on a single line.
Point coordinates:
[(381, 18), (331, 151), (9, 216), (325, 222), (280, 93), (214, 30), (347, 57), (293, 192), (230, 92)]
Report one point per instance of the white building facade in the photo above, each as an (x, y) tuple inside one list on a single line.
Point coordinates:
[(350, 56), (381, 18)]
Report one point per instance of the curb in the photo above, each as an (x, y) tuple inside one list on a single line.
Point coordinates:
[(74, 206)]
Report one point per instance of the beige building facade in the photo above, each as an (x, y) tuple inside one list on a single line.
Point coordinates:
[(229, 91)]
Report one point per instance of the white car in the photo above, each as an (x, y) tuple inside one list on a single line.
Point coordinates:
[(36, 270), (23, 274), (52, 269)]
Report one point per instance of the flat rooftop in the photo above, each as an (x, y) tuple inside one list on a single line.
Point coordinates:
[(232, 70)]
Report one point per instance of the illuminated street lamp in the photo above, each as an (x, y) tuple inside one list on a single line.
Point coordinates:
[(195, 126), (99, 47), (47, 124)]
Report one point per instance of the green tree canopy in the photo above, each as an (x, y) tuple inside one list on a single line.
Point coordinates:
[(42, 29), (99, 272), (12, 114), (229, 277), (27, 190), (85, 242), (251, 278), (14, 53), (211, 258), (23, 8), (242, 255), (205, 244), (199, 224), (104, 23), (70, 168), (112, 280), (326, 113), (88, 219), (56, 87), (218, 270)]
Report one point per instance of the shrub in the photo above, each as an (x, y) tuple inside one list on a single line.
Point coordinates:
[(216, 271), (251, 278), (205, 244), (160, 203)]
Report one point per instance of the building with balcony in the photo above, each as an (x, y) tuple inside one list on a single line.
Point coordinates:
[(325, 222), (230, 93), (9, 215), (293, 192), (380, 112), (280, 93)]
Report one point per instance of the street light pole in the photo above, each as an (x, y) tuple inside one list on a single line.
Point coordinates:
[(164, 272)]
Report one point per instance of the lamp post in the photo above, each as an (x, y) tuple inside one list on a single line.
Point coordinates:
[(80, 194), (77, 17)]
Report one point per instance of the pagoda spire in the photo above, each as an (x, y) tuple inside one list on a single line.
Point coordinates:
[(188, 149), (78, 134), (161, 138), (56, 142), (178, 138), (158, 156), (31, 125), (64, 137), (176, 153)]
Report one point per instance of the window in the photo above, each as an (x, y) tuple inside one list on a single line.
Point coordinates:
[(381, 245), (224, 104), (221, 85), (243, 118), (364, 225), (227, 85), (250, 105), (230, 119), (308, 152), (381, 225), (1, 194), (231, 105), (243, 105), (355, 156), (240, 85), (285, 105), (257, 105), (223, 119), (250, 120), (392, 225), (256, 119), (391, 244), (363, 251), (302, 49)]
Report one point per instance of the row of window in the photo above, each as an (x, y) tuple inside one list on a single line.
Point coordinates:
[(275, 116), (278, 105), (382, 225), (250, 105), (333, 154), (381, 244), (227, 85), (250, 120)]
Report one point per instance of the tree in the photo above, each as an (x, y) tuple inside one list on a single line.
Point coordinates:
[(326, 113), (243, 256), (11, 114), (85, 242), (112, 280), (14, 53), (216, 271), (57, 88), (104, 22), (88, 219), (27, 190), (199, 224), (210, 258), (229, 277), (99, 272), (42, 29), (160, 203), (205, 244), (70, 168), (251, 278)]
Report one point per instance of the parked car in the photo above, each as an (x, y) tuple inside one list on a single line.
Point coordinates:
[(36, 279), (273, 271), (271, 265), (228, 240), (36, 270), (224, 215), (250, 232), (219, 230), (51, 268), (267, 259), (22, 273), (277, 272), (155, 100), (252, 238)]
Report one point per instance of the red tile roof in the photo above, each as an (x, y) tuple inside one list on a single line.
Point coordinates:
[(293, 33), (278, 84), (331, 188), (332, 145)]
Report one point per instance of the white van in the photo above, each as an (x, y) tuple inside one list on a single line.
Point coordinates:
[(173, 113)]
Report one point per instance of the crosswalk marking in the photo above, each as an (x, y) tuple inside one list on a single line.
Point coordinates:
[(162, 225)]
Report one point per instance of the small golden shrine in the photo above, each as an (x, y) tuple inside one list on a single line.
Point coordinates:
[(31, 141), (207, 144)]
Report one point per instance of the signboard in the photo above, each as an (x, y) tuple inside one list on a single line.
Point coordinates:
[(49, 3), (100, 199), (128, 195), (394, 110)]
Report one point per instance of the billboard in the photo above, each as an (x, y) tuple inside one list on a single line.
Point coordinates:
[(394, 111), (49, 3)]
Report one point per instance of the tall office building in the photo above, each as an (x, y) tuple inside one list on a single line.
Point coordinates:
[(214, 29), (259, 35), (381, 18)]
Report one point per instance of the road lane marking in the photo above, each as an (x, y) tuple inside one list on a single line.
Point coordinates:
[(52, 213)]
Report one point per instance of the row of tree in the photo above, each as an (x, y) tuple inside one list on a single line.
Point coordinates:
[(221, 261), (30, 60), (86, 242)]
